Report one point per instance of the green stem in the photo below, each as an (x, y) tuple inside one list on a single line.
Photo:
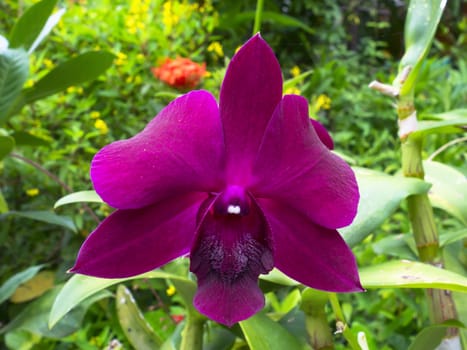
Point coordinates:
[(258, 16), (316, 323), (342, 326), (192, 335)]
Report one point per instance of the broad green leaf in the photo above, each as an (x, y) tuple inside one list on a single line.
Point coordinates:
[(34, 287), (422, 20), (21, 340), (34, 317), (80, 287), (28, 27), (451, 237), (396, 245), (78, 197), (11, 284), (426, 127), (411, 274), (263, 333), (449, 191), (14, 70), (23, 138), (80, 69), (52, 21), (3, 204), (219, 339), (380, 196), (45, 216), (430, 337), (137, 330), (7, 143)]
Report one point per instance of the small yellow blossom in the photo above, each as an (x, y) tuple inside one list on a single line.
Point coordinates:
[(29, 83), (292, 91), (95, 114), (71, 89), (32, 192), (101, 126), (170, 291), (48, 63), (216, 47), (121, 58), (129, 79), (323, 102), (295, 71), (79, 90)]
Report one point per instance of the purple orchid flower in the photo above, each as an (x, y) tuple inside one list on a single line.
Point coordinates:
[(241, 187)]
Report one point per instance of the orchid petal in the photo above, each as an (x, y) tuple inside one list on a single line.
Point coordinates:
[(134, 241), (180, 150), (251, 90), (295, 167), (315, 256), (322, 134)]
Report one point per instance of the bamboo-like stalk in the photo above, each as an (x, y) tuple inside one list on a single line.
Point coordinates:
[(192, 334)]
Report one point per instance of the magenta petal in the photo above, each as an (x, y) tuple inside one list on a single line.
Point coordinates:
[(315, 256), (180, 150), (251, 90), (295, 167), (322, 134), (231, 250), (134, 241)]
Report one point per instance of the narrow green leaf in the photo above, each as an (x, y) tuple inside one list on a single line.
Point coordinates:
[(10, 285), (449, 191), (23, 138), (380, 196), (3, 204), (263, 333), (45, 216), (80, 287), (34, 317), (430, 337), (30, 24), (454, 114), (7, 143), (451, 237), (80, 69), (295, 80), (137, 330), (422, 20), (77, 197), (395, 245), (52, 21), (411, 274), (14, 70), (449, 126)]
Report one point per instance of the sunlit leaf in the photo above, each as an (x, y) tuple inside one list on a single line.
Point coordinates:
[(431, 336), (3, 204), (11, 284), (138, 332), (79, 69), (411, 274), (78, 197), (80, 287), (449, 191), (7, 143), (263, 333), (34, 287), (23, 138), (52, 21), (14, 70), (45, 216), (30, 24), (380, 196)]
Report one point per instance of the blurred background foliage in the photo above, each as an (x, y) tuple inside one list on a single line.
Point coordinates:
[(343, 45)]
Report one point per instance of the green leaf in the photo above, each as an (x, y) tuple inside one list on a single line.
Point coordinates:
[(7, 143), (451, 237), (45, 216), (430, 337), (11, 284), (263, 333), (422, 20), (23, 138), (75, 71), (137, 330), (34, 317), (380, 196), (295, 80), (411, 274), (80, 287), (30, 24), (77, 197), (426, 127), (14, 70), (3, 204), (449, 191), (454, 114), (396, 245)]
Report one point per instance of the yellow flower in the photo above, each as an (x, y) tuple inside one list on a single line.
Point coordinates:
[(32, 192), (101, 126), (170, 291), (121, 58), (292, 91), (216, 47), (323, 102), (95, 114), (71, 89), (48, 63), (295, 71), (29, 83)]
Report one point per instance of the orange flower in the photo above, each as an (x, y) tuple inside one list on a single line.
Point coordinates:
[(180, 73)]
